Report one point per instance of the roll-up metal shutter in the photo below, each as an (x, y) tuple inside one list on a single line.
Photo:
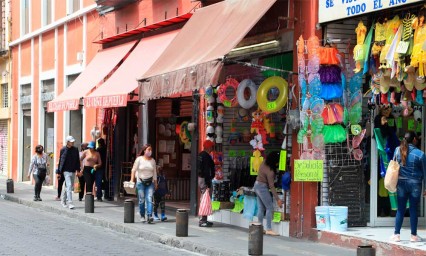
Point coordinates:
[(3, 147)]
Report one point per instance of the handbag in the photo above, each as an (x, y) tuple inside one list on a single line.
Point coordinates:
[(146, 182), (392, 173), (205, 204)]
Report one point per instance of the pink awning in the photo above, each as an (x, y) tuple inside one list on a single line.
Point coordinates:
[(192, 60), (101, 65), (113, 93)]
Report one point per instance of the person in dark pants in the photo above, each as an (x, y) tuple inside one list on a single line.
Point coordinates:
[(91, 161), (61, 180), (39, 167), (80, 176), (160, 195), (205, 175), (100, 171)]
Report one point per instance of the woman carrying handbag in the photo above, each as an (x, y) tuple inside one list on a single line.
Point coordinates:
[(412, 172), (39, 167)]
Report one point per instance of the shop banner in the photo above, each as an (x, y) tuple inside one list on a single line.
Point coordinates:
[(53, 106), (308, 170), (105, 101), (329, 10)]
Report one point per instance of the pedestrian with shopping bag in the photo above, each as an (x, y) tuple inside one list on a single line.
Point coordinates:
[(205, 177)]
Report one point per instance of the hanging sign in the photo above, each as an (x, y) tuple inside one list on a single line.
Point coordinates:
[(329, 10), (283, 160), (308, 170)]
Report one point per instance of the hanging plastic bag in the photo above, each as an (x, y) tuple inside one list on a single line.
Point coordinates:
[(77, 188), (205, 204)]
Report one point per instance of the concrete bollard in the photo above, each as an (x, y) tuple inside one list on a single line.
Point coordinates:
[(89, 203), (255, 241), (365, 250), (9, 186), (129, 211), (181, 222)]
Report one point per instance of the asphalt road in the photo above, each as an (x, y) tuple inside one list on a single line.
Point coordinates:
[(29, 231)]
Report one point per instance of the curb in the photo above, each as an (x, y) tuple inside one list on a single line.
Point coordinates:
[(164, 239)]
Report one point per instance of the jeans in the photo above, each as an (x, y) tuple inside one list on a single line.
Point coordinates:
[(38, 184), (61, 181), (145, 193), (89, 178), (264, 202), (69, 187), (99, 175), (408, 190), (159, 201)]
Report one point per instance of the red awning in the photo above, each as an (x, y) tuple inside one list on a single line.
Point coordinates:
[(101, 65), (113, 93), (192, 60), (160, 24)]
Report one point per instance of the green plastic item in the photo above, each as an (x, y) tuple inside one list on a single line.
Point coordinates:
[(215, 205), (277, 217), (238, 206), (334, 133)]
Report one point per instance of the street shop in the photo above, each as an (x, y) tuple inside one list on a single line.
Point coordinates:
[(371, 70)]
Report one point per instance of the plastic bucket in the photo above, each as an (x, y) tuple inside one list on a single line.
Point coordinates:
[(322, 217), (339, 218)]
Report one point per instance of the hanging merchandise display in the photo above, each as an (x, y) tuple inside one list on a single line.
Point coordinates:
[(222, 93), (242, 96), (262, 94)]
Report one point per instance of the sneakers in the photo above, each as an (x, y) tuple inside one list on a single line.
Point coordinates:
[(39, 199), (271, 233), (156, 218), (71, 206), (165, 219), (143, 219), (415, 239), (150, 219), (205, 224), (64, 204), (35, 198), (395, 238)]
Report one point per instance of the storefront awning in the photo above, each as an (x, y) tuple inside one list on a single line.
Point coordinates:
[(193, 58), (113, 93), (101, 65)]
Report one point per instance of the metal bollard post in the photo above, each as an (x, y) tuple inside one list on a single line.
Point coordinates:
[(89, 204), (255, 246), (182, 222), (9, 186), (365, 250), (129, 211)]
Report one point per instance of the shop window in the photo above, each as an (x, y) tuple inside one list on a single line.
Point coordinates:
[(4, 96), (47, 12), (25, 16)]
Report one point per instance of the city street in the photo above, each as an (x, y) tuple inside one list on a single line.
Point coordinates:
[(29, 231)]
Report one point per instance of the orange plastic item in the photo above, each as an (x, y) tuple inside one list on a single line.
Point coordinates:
[(328, 56)]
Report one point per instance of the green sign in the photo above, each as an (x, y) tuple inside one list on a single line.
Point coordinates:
[(283, 160), (271, 105), (308, 170)]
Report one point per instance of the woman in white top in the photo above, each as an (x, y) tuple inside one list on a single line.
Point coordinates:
[(145, 172), (39, 167)]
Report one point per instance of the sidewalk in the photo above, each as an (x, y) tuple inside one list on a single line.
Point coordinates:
[(221, 239)]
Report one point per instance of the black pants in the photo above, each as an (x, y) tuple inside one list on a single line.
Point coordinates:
[(61, 181), (89, 178), (82, 182), (38, 178), (159, 201)]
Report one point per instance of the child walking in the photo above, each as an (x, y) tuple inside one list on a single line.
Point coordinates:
[(160, 195)]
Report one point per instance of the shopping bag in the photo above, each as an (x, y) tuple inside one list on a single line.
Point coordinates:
[(205, 204), (46, 181), (77, 188), (391, 177)]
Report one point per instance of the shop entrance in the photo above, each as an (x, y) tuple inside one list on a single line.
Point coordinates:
[(383, 204)]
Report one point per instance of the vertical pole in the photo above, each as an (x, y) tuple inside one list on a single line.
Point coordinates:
[(194, 152)]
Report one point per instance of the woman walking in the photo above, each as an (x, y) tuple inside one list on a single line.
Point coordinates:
[(91, 161), (412, 171), (39, 167), (264, 183), (80, 175), (145, 173)]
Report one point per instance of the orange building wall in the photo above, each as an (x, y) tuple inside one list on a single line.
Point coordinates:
[(48, 51), (14, 116), (93, 31), (16, 23), (36, 15), (60, 87), (60, 9), (75, 40), (26, 58), (36, 91)]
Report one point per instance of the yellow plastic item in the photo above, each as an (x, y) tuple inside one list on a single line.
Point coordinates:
[(262, 94)]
